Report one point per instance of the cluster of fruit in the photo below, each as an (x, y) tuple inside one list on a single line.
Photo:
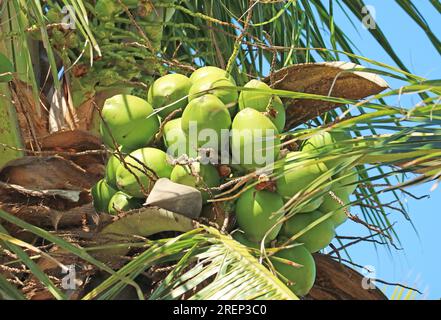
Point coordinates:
[(210, 103), (207, 99), (261, 214)]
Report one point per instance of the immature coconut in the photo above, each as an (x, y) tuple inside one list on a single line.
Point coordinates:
[(122, 202), (329, 141), (206, 115), (254, 140), (222, 88), (176, 141), (293, 177), (330, 204), (257, 212), (348, 180), (169, 93), (301, 277), (210, 72), (263, 102), (313, 205), (315, 239), (146, 164), (131, 122), (102, 192), (201, 176), (110, 173), (112, 165), (326, 142), (242, 239), (172, 126)]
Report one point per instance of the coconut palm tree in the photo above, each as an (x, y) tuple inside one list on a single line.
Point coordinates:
[(63, 58)]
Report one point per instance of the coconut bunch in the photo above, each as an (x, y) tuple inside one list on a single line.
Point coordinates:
[(214, 141), (265, 218)]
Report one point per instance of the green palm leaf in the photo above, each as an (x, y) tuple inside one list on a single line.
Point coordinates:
[(237, 274), (209, 265)]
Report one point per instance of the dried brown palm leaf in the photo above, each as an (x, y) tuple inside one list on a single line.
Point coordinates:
[(335, 79)]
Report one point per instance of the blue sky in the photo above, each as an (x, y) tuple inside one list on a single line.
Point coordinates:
[(419, 264)]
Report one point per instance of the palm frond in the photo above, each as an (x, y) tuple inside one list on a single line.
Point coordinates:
[(237, 274), (209, 265)]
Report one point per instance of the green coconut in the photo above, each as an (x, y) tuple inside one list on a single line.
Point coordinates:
[(313, 205), (254, 140), (176, 141), (331, 205), (196, 175), (130, 120), (102, 192), (112, 165), (141, 163), (210, 72), (326, 142), (315, 239), (257, 212), (206, 114), (242, 239), (263, 102), (169, 93), (6, 66), (301, 279), (172, 132), (222, 88), (110, 173), (121, 202), (294, 177), (348, 180)]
